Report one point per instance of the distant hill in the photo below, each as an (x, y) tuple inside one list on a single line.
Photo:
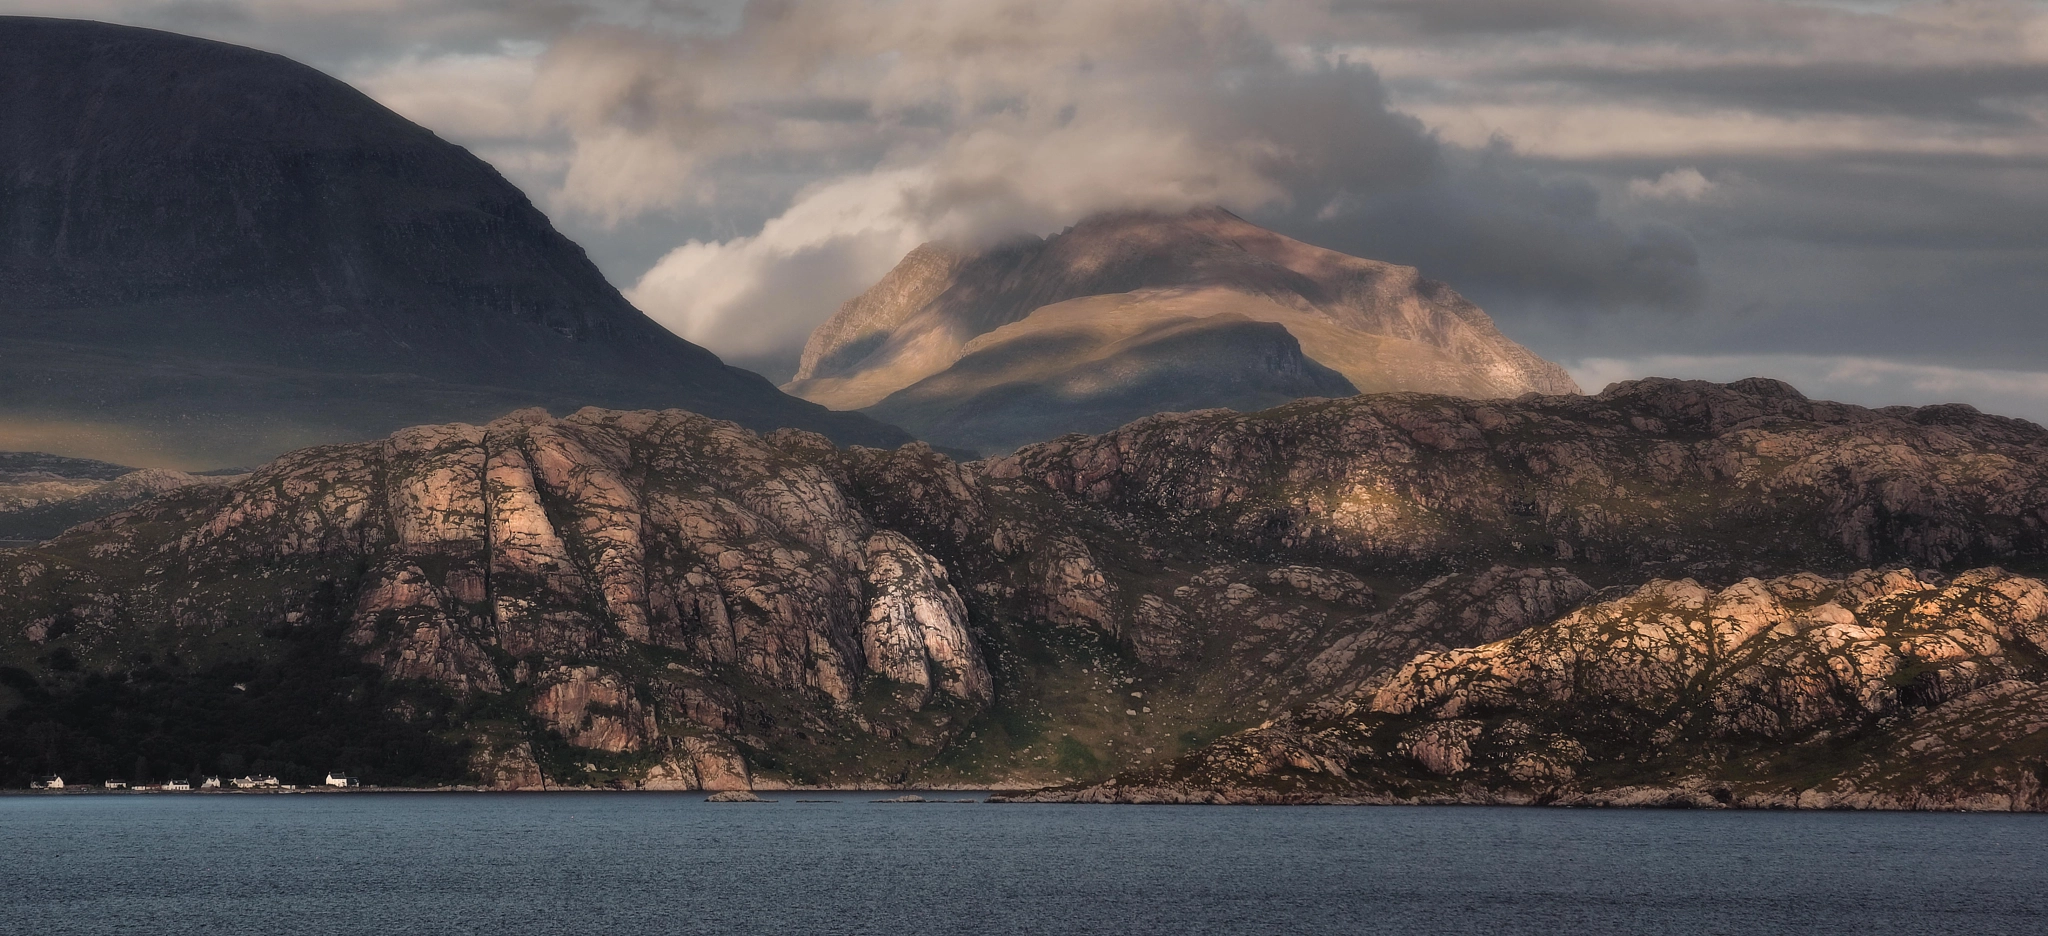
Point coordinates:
[(1128, 314), (19, 467), (213, 254), (42, 495)]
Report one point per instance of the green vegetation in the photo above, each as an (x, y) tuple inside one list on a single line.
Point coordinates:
[(305, 710)]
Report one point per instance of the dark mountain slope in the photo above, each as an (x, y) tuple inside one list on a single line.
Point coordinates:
[(213, 253), (1095, 375)]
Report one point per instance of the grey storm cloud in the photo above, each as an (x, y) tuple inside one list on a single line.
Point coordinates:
[(1026, 117), (1972, 93), (1492, 224), (1519, 17), (1627, 185)]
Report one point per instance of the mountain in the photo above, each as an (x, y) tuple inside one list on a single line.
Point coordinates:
[(1093, 372), (1036, 338), (213, 255), (1667, 592), (42, 495)]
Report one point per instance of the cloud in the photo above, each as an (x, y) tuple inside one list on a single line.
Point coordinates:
[(1970, 92), (962, 124), (1685, 184), (1614, 179), (975, 123), (1025, 112), (471, 96), (758, 295), (1495, 228)]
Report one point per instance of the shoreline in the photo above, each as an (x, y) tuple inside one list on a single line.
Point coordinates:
[(1633, 799)]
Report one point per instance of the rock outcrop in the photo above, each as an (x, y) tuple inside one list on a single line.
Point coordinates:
[(1670, 591), (1881, 689), (1127, 314), (1684, 476), (521, 559), (916, 627)]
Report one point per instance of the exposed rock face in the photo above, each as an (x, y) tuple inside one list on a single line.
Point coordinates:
[(1679, 474), (1671, 591), (215, 254), (1448, 611), (727, 551), (1879, 689), (1129, 314), (1772, 659), (916, 629), (594, 710), (505, 559)]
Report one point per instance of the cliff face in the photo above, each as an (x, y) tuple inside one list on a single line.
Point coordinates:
[(1880, 689), (214, 255), (531, 555), (1656, 588), (948, 339)]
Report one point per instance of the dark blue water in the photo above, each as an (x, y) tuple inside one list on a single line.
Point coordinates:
[(656, 863)]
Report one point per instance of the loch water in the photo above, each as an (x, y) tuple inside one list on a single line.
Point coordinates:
[(641, 863)]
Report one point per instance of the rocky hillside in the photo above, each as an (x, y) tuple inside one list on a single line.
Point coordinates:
[(1672, 476), (214, 255), (1883, 689), (970, 350), (663, 599)]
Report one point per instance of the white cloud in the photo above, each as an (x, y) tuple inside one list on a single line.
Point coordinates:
[(1685, 184), (759, 294), (469, 96), (976, 122)]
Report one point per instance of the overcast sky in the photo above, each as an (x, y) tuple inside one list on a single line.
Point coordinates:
[(1852, 196)]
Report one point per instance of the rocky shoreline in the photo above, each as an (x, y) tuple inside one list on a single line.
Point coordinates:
[(1691, 796), (1699, 795)]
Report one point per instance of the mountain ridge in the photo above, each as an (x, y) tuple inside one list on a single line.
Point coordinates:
[(662, 599), (218, 253)]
